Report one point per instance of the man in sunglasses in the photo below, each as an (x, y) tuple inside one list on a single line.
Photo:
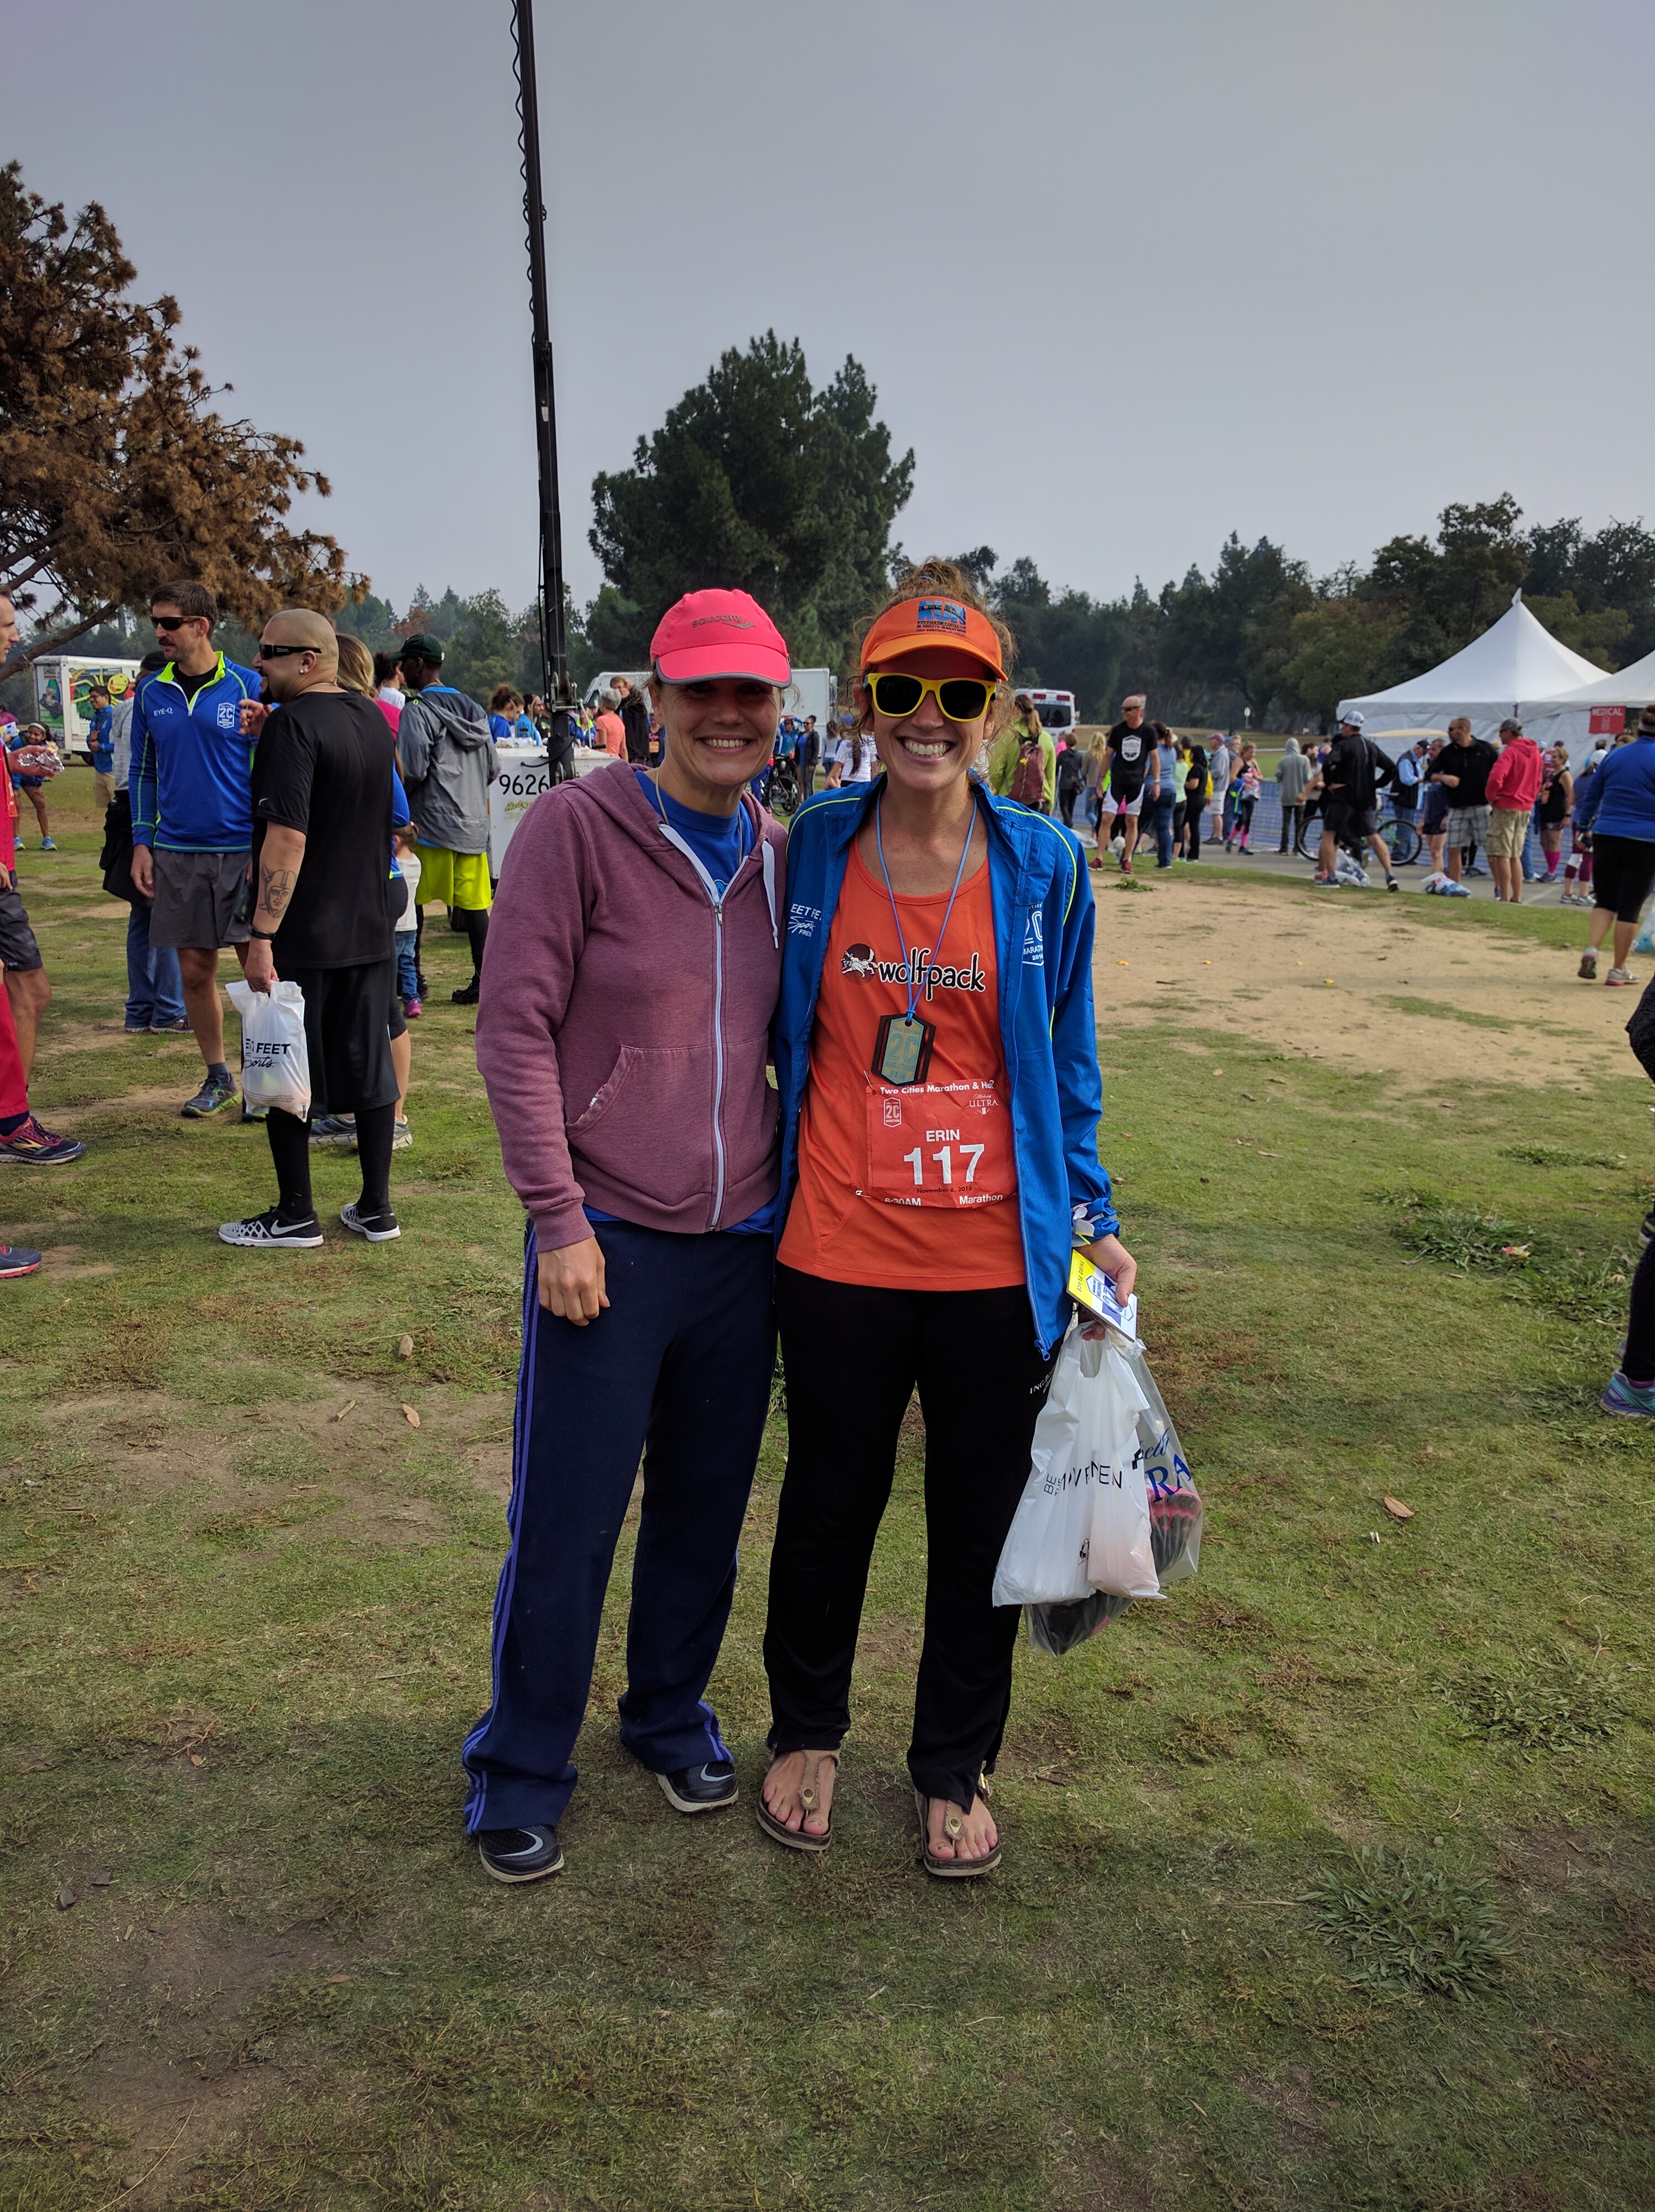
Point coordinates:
[(192, 813)]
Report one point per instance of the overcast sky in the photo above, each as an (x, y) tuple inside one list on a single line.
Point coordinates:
[(1126, 278)]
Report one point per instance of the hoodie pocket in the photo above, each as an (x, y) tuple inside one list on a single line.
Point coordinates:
[(650, 1125)]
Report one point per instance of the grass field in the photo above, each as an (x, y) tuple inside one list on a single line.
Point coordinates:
[(1329, 1882)]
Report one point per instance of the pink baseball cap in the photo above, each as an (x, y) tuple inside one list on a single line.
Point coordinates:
[(713, 634)]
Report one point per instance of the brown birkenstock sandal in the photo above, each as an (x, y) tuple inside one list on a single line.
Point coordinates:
[(797, 1839)]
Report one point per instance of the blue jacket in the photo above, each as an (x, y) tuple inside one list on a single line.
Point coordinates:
[(1043, 922), (100, 740), (192, 777), (1622, 793)]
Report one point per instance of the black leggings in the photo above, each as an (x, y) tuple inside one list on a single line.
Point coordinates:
[(854, 1355), (1638, 1360), (289, 1151)]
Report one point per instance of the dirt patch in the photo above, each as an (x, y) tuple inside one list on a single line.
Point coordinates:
[(207, 1983), (66, 1263), (1324, 980), (276, 1470)]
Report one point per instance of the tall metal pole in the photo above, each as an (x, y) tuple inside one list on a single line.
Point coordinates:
[(553, 632)]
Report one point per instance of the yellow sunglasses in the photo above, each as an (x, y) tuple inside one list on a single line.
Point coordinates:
[(962, 698)]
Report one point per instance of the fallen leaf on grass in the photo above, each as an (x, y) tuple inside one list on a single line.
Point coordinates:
[(411, 1417), (64, 1899), (1397, 1509), (196, 1760)]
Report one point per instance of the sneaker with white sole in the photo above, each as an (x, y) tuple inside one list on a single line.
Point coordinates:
[(378, 1228), (39, 1147), (1620, 977), (270, 1233), (339, 1129), (520, 1854), (706, 1789)]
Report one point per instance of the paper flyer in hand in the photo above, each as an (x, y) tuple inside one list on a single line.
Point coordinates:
[(1090, 1287)]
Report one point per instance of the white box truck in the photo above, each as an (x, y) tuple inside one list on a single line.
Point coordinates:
[(63, 695), (812, 690)]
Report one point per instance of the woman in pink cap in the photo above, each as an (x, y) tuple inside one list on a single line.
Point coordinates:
[(623, 1033)]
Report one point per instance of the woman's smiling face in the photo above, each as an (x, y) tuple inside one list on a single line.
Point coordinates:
[(924, 751)]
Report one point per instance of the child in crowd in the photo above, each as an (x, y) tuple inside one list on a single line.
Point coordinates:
[(407, 929), (1244, 791)]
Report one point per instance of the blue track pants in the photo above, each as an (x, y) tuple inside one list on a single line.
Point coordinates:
[(676, 1371)]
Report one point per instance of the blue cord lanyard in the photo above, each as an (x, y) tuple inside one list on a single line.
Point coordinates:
[(959, 874)]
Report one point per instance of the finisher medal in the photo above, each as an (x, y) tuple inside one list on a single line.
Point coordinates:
[(901, 1049)]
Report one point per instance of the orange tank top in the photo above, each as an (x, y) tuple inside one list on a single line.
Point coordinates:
[(907, 1185)]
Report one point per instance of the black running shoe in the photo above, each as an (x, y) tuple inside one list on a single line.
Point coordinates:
[(520, 1854), (269, 1231), (378, 1228), (701, 1789), (212, 1097), (467, 997)]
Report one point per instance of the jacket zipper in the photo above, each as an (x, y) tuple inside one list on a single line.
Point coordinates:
[(718, 1056)]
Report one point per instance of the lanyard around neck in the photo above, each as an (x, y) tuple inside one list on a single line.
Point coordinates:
[(959, 874)]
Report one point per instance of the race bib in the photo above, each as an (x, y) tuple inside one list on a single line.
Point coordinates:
[(939, 1144)]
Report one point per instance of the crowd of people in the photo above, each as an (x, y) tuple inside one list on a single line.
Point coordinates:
[(838, 1084)]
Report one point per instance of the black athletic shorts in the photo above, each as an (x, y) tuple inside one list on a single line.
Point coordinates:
[(17, 946), (1347, 822), (347, 1035), (1622, 871)]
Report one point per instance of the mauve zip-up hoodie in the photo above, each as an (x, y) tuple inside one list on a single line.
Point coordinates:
[(624, 1029)]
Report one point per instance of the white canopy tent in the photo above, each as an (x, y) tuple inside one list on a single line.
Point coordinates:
[(1580, 718), (1513, 668)]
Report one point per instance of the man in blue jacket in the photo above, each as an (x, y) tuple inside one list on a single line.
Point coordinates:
[(191, 782), (1619, 810)]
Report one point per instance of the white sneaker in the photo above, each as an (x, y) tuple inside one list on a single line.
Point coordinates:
[(1620, 975), (269, 1231)]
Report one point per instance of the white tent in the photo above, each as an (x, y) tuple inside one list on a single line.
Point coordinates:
[(1513, 668), (1581, 717)]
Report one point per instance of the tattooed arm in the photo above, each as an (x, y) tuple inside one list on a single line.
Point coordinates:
[(280, 859)]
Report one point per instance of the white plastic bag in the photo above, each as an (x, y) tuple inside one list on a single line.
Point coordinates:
[(1085, 1443), (1348, 870), (1175, 1507), (275, 1061), (1121, 1558)]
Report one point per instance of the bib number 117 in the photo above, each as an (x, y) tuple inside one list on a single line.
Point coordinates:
[(970, 1155)]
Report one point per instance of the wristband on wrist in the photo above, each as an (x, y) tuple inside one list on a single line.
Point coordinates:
[(264, 936)]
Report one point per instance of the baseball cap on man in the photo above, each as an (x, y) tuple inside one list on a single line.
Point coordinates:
[(915, 625), (422, 646), (709, 635), (1351, 722)]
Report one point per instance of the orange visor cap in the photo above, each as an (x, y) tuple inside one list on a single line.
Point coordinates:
[(913, 624)]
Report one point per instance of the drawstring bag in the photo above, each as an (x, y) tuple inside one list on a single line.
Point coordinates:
[(275, 1061)]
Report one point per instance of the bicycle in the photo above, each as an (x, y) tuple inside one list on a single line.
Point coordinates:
[(784, 794), (1400, 837)]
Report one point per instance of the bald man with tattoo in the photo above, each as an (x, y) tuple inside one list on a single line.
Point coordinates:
[(326, 798)]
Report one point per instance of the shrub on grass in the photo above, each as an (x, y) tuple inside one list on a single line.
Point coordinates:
[(1405, 1929), (1539, 1705), (1560, 1155)]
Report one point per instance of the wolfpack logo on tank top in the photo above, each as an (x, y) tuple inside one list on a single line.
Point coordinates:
[(861, 961)]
